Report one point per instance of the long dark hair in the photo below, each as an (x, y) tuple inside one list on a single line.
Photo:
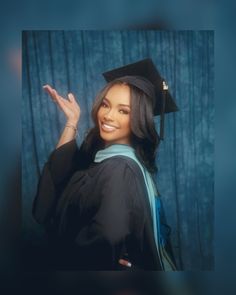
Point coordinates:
[(144, 138)]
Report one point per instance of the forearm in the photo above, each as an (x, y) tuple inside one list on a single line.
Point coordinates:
[(68, 133)]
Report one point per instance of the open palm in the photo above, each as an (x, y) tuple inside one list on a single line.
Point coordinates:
[(69, 106)]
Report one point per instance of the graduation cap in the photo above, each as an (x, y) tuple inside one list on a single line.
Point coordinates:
[(145, 76)]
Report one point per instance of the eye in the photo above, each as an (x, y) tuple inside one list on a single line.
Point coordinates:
[(124, 112), (103, 104)]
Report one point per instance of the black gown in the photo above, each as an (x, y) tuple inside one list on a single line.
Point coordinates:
[(94, 213)]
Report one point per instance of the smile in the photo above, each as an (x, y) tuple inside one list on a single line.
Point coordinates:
[(107, 127)]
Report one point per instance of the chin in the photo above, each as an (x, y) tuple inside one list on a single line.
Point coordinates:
[(107, 137)]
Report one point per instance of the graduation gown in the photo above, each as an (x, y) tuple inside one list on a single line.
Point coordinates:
[(94, 213)]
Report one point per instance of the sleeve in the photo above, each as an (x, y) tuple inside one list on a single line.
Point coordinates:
[(56, 172), (103, 240)]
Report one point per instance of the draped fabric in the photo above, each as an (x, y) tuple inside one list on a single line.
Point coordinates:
[(155, 204), (72, 61)]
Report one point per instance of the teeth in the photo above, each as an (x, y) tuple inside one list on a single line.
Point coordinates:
[(107, 126)]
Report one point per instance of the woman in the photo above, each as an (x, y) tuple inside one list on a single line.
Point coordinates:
[(96, 201)]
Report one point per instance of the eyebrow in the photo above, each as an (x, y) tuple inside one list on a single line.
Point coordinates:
[(120, 104)]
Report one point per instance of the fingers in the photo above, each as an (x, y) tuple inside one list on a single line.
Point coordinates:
[(55, 96), (60, 100), (125, 262), (53, 93), (48, 88), (71, 97), (50, 91)]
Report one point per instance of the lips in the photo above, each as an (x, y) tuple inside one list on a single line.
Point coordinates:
[(108, 127)]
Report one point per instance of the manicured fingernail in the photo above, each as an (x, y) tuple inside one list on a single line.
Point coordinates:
[(125, 263)]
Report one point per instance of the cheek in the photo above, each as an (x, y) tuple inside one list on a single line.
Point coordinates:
[(126, 124), (99, 113)]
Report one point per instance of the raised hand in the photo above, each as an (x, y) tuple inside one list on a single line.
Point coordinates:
[(69, 106)]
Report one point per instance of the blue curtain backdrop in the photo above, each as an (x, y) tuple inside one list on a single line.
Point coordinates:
[(72, 61)]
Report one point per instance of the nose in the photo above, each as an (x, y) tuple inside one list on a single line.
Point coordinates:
[(108, 116)]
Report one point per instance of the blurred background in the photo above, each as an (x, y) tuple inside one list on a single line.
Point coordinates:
[(73, 61), (149, 14)]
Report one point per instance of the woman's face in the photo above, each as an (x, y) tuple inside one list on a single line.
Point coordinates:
[(114, 115)]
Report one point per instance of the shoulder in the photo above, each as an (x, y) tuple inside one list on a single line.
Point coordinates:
[(121, 170), (121, 163), (121, 179)]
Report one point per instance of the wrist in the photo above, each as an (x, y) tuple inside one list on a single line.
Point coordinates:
[(72, 126), (72, 122)]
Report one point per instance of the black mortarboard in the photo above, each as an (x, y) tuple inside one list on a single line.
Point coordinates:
[(145, 76)]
